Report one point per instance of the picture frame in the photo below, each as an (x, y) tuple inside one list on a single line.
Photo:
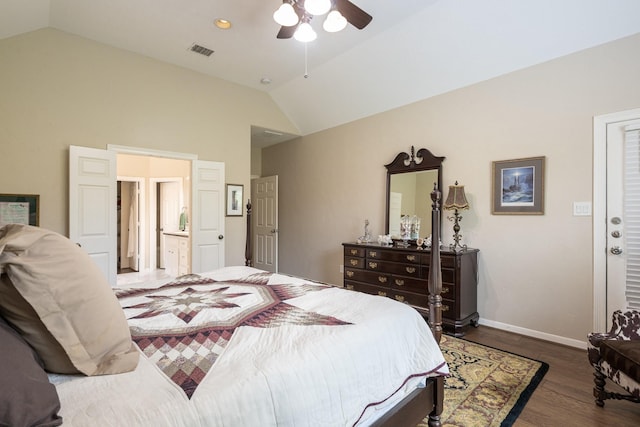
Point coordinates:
[(234, 199), (20, 209), (517, 186)]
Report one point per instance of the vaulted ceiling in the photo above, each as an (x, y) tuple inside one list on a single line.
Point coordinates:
[(412, 50)]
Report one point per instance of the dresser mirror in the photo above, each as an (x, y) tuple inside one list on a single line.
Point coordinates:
[(410, 181)]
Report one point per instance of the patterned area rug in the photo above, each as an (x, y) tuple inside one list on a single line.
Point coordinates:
[(487, 387)]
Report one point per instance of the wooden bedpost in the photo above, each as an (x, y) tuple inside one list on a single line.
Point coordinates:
[(435, 271), (248, 247)]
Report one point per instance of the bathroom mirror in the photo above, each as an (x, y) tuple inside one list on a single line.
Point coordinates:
[(410, 181)]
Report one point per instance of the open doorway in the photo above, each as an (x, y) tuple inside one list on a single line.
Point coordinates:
[(128, 218)]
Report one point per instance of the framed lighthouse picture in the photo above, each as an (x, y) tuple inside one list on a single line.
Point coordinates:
[(518, 186)]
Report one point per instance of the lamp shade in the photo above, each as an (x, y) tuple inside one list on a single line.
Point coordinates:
[(317, 7), (456, 199), (285, 15), (305, 33), (335, 22)]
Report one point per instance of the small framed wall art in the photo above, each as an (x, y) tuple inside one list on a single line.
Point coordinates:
[(234, 199), (517, 186), (20, 209)]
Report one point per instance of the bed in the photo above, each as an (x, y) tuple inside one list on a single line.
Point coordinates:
[(232, 347)]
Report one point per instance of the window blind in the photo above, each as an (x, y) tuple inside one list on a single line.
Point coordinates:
[(631, 227)]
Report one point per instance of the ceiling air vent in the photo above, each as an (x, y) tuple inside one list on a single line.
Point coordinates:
[(200, 49)]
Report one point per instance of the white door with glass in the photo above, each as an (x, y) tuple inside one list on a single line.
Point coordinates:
[(616, 215)]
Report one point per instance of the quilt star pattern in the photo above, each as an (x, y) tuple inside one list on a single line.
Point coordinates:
[(183, 326)]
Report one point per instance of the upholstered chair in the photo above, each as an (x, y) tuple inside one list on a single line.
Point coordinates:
[(616, 356)]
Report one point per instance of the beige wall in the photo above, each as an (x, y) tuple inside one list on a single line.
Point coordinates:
[(57, 90), (535, 271)]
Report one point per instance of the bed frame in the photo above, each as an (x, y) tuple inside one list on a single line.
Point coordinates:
[(422, 402)]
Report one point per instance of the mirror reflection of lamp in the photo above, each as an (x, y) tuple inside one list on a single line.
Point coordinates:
[(456, 200)]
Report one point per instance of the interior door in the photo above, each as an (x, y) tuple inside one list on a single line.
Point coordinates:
[(265, 223), (207, 216), (92, 206)]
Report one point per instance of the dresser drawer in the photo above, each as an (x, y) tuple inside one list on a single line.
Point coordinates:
[(410, 298), (445, 260), (395, 256), (350, 251), (448, 275), (354, 262), (409, 284), (367, 276), (368, 289), (409, 270)]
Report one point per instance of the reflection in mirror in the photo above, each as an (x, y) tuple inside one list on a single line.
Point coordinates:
[(410, 180), (407, 198)]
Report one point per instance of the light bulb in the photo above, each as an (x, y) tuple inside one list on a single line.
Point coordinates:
[(317, 7), (334, 22), (285, 15), (305, 33)]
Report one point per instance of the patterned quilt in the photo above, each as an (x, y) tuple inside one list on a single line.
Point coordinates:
[(185, 325)]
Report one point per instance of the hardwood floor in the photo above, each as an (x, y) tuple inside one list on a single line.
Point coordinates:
[(565, 395)]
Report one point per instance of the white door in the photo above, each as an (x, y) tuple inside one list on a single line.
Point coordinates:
[(614, 258), (170, 201), (207, 216), (92, 206), (264, 192)]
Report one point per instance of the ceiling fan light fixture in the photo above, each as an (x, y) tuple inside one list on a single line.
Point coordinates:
[(305, 33), (285, 15), (317, 7), (335, 22)]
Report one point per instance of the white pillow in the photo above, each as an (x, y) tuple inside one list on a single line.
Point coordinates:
[(60, 301)]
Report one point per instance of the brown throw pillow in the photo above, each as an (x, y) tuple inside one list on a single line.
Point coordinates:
[(59, 300), (27, 398)]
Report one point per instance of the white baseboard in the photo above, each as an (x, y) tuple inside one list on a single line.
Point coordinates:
[(535, 334)]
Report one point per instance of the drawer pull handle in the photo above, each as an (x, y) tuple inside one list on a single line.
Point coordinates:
[(382, 279), (410, 270), (373, 254), (411, 257), (373, 265), (350, 287), (350, 273), (382, 293), (400, 298), (354, 252), (399, 282), (445, 307), (353, 262), (445, 290)]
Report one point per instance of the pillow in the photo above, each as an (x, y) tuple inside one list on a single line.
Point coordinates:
[(27, 398), (56, 296)]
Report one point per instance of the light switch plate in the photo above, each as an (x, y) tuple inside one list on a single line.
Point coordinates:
[(581, 208)]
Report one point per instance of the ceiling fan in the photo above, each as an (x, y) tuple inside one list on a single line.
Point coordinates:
[(294, 17)]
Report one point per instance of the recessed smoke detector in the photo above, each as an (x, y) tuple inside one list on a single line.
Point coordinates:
[(200, 49)]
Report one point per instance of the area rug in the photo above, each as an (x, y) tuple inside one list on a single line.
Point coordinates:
[(487, 387)]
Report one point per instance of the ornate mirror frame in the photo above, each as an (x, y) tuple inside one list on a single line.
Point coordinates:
[(423, 160)]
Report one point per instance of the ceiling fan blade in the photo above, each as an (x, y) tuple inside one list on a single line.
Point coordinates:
[(286, 32), (353, 14)]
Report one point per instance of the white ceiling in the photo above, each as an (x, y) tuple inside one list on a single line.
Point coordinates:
[(413, 49)]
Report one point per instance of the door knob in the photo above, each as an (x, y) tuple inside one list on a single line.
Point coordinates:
[(274, 231), (616, 250), (220, 237)]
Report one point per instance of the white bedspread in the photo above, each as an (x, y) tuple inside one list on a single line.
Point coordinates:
[(286, 375)]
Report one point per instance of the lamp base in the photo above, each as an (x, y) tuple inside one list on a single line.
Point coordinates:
[(456, 233)]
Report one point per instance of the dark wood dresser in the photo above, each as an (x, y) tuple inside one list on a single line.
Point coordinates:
[(402, 274)]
